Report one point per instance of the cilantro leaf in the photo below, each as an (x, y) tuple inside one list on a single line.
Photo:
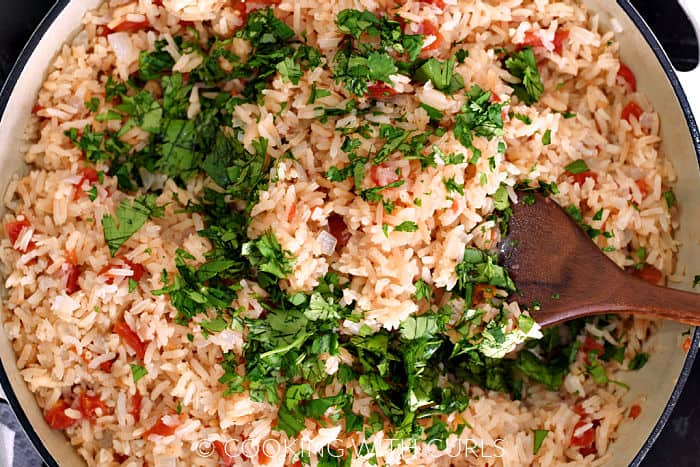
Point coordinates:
[(131, 217), (406, 226), (523, 65), (576, 167), (138, 372), (538, 439), (441, 74), (266, 254)]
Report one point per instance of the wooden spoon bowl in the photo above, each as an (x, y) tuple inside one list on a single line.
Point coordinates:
[(556, 265)]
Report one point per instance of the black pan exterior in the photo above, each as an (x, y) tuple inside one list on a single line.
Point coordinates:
[(663, 61)]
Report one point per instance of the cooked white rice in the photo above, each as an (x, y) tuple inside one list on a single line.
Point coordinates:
[(61, 339)]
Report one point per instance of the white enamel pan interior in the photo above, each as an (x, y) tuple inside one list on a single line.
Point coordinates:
[(660, 381)]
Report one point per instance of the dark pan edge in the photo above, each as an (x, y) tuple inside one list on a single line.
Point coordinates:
[(5, 93), (665, 63), (661, 56)]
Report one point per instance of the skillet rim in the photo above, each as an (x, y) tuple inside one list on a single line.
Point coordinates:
[(13, 77)]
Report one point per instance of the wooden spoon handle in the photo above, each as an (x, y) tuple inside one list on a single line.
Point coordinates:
[(639, 297)]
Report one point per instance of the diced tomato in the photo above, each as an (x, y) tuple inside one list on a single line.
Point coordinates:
[(56, 416), (631, 109), (135, 409), (438, 3), (338, 228), (131, 339), (242, 9), (107, 366), (37, 108), (88, 174), (14, 230), (581, 178), (137, 269), (584, 441), (686, 344), (380, 90), (161, 429), (635, 410), (591, 343), (532, 39), (129, 26), (292, 211), (297, 464), (427, 28), (628, 75), (227, 460), (580, 411), (482, 293), (89, 404), (648, 273), (383, 175), (72, 275), (263, 458), (559, 38), (643, 187)]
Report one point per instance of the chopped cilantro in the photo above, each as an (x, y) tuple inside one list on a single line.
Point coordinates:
[(577, 167), (638, 361), (423, 290), (670, 198), (406, 226), (130, 217), (441, 74), (433, 113), (138, 372), (539, 436), (523, 65), (547, 137), (452, 186)]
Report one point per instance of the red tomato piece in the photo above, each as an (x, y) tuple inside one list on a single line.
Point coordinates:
[(107, 366), (438, 3), (72, 275), (591, 343), (628, 75), (559, 38), (585, 440), (338, 228), (580, 178), (686, 344), (37, 108), (643, 187), (292, 211), (131, 339), (382, 175), (380, 90), (129, 26), (137, 269), (635, 410), (532, 39), (56, 416), (160, 429), (135, 409), (429, 29), (648, 273), (263, 458), (580, 411), (89, 404), (14, 230), (631, 109), (227, 460)]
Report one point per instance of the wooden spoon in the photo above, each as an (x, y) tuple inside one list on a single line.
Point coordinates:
[(554, 263)]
